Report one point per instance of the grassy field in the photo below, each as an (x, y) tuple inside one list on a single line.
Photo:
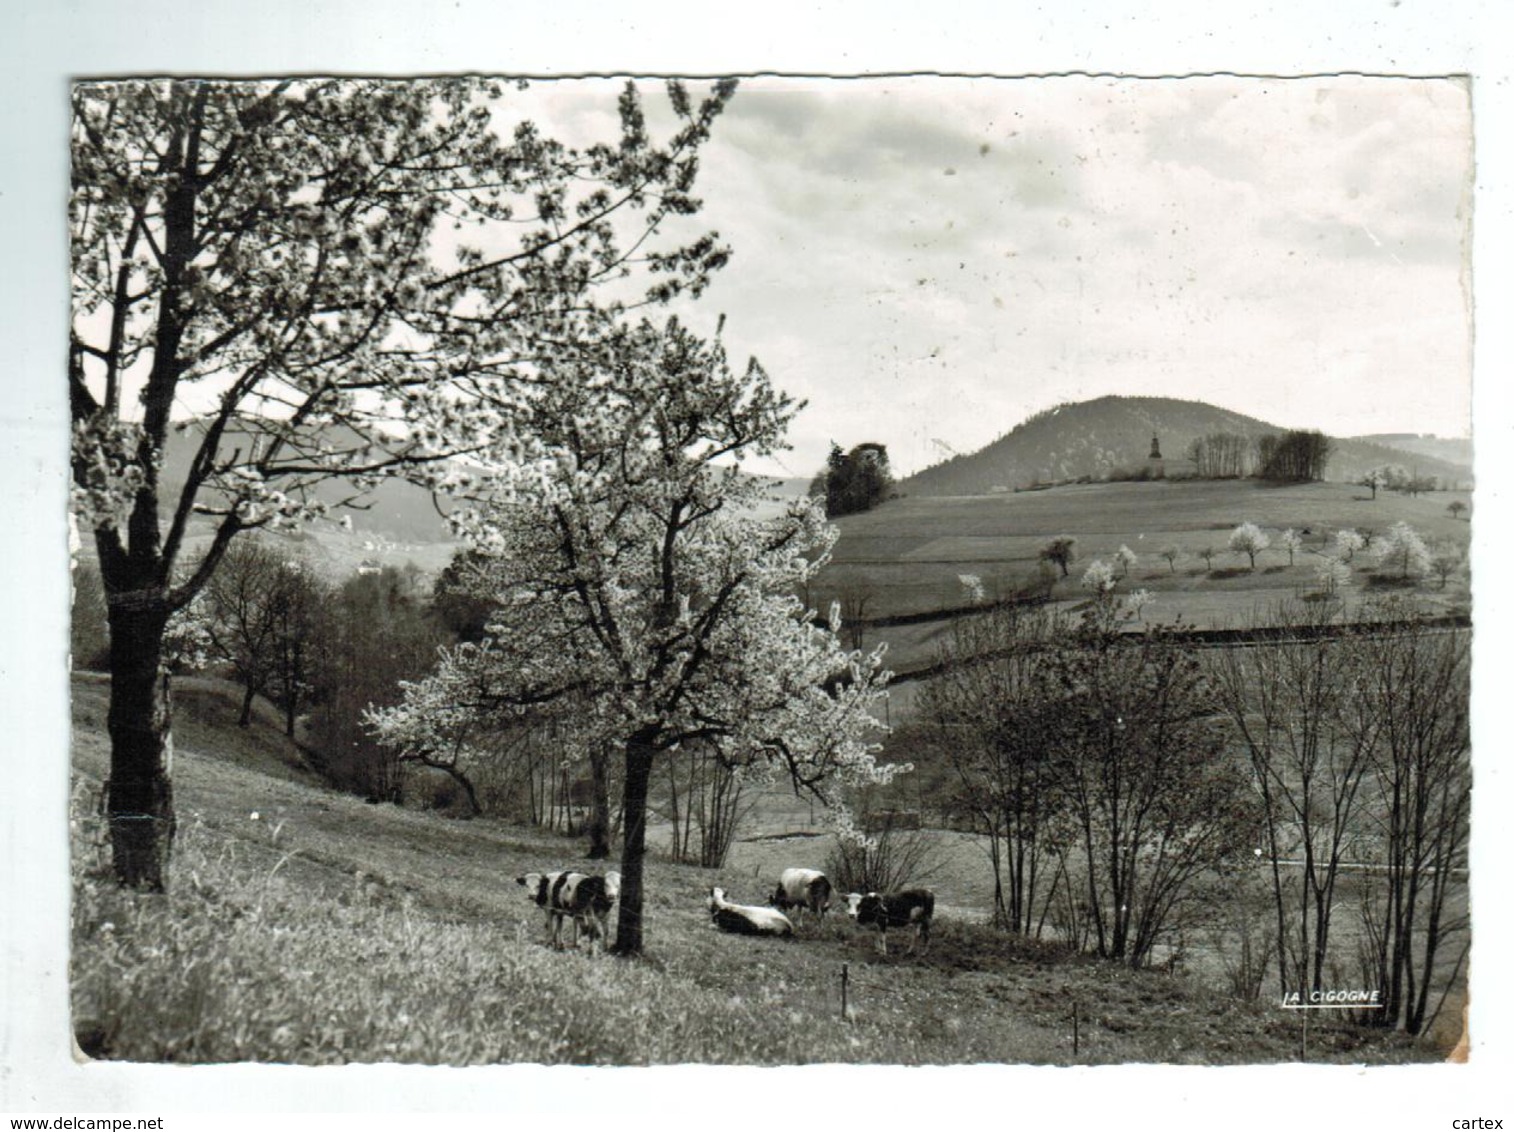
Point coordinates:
[(909, 554), (309, 927)]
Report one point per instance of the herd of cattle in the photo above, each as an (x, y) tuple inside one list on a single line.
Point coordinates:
[(588, 900)]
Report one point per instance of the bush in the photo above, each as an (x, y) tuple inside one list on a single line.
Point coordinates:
[(888, 860)]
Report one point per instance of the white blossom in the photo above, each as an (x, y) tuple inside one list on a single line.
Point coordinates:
[(1250, 540), (973, 584), (579, 551), (1347, 543), (1099, 577), (1403, 552), (1332, 574)]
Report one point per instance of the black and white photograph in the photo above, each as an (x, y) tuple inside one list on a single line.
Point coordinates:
[(758, 568)]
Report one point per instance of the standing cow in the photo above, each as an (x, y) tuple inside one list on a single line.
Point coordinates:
[(912, 907), (802, 888), (586, 899)]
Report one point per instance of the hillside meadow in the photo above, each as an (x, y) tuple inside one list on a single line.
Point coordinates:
[(908, 555), (306, 926)]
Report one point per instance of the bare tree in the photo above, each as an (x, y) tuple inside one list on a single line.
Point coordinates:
[(991, 716), (707, 800), (299, 605), (1062, 550), (1415, 685), (241, 618), (1219, 455), (1162, 812), (1444, 565), (855, 599), (1309, 744), (378, 634)]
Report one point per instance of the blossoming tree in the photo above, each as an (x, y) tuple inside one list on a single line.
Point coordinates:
[(638, 592), (1250, 540), (315, 280)]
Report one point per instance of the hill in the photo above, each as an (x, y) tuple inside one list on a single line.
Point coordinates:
[(1452, 449), (1110, 437), (394, 524), (395, 509), (307, 927)]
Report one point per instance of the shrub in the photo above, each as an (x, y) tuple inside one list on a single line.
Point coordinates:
[(887, 860)]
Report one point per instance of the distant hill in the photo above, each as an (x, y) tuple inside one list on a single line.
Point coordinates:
[(1452, 449), (397, 511), (1109, 437)]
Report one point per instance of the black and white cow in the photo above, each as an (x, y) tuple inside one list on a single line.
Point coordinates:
[(586, 899), (746, 919), (914, 906), (802, 888)]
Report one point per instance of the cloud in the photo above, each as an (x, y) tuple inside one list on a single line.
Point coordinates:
[(927, 257)]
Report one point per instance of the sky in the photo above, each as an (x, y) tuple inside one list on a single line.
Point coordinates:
[(928, 260)]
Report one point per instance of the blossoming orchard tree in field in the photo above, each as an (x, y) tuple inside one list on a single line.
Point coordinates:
[(638, 593), (318, 281)]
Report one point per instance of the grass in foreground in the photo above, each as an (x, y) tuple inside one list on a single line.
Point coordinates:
[(328, 931)]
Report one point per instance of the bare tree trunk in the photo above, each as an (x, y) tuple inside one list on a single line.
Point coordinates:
[(677, 847), (245, 718), (639, 757), (599, 818), (139, 800)]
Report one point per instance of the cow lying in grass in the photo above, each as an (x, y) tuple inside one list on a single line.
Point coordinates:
[(746, 919), (914, 906), (802, 888), (586, 899)]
